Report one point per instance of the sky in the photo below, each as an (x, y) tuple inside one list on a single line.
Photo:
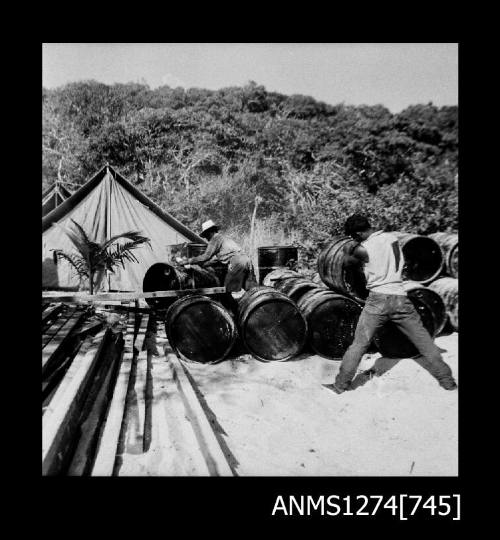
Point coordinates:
[(392, 74)]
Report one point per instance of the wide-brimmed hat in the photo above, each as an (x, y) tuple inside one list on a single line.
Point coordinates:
[(207, 226)]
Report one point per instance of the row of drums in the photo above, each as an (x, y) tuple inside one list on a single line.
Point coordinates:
[(290, 312), (426, 258), (263, 322), (278, 323)]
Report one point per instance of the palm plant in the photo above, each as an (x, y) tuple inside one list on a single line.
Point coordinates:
[(92, 257)]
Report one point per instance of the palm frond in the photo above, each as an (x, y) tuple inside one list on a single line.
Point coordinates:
[(134, 236), (123, 252), (79, 239), (76, 261), (82, 232)]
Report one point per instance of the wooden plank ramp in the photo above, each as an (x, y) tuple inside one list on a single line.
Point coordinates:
[(159, 427), (60, 339), (54, 324), (136, 408), (108, 443), (51, 312), (59, 423)]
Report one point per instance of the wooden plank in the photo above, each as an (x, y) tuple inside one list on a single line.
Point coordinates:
[(88, 327), (51, 312), (136, 406), (51, 382), (209, 446), (174, 449), (54, 325), (141, 334), (74, 297), (89, 429), (60, 339), (62, 412), (148, 403), (108, 444), (120, 309)]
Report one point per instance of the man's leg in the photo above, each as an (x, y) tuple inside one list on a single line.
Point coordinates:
[(371, 319), (410, 324), (236, 274), (250, 280)]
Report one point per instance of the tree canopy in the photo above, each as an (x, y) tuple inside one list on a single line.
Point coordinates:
[(208, 153)]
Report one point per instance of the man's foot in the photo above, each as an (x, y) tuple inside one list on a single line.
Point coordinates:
[(335, 388), (452, 385)]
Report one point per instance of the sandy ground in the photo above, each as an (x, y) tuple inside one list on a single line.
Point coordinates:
[(278, 420)]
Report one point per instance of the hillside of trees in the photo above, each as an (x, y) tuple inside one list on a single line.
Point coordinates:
[(204, 154)]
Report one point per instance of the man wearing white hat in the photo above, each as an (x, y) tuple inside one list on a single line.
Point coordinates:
[(240, 275)]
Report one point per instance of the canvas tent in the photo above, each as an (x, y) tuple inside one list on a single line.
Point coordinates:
[(104, 206), (53, 197)]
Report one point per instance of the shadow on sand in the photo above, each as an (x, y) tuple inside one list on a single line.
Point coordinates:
[(384, 364)]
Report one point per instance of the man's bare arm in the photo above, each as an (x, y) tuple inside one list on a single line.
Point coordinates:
[(212, 249), (357, 256)]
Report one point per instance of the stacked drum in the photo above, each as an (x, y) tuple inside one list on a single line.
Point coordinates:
[(272, 257)]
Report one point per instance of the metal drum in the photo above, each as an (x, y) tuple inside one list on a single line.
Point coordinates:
[(448, 242), (423, 257), (347, 280), (272, 257), (271, 325), (200, 329)]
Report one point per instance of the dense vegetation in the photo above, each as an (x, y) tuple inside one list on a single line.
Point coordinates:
[(208, 154)]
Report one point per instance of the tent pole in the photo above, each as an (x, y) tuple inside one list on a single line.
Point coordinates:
[(108, 224)]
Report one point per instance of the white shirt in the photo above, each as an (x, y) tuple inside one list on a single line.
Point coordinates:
[(385, 264)]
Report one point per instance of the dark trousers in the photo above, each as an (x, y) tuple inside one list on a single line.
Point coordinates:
[(380, 308), (240, 274)]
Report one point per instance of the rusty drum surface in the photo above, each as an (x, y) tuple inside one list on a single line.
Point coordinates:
[(331, 320), (295, 287), (273, 278), (200, 329), (347, 280), (423, 257), (447, 288), (448, 242), (271, 325)]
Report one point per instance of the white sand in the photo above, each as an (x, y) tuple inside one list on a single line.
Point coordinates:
[(278, 419)]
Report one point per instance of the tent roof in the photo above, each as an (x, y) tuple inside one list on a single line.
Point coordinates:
[(58, 189), (53, 197), (60, 211)]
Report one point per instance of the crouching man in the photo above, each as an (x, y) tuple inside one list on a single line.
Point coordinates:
[(240, 274), (382, 259)]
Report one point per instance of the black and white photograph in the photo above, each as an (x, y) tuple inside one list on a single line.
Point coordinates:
[(250, 261)]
